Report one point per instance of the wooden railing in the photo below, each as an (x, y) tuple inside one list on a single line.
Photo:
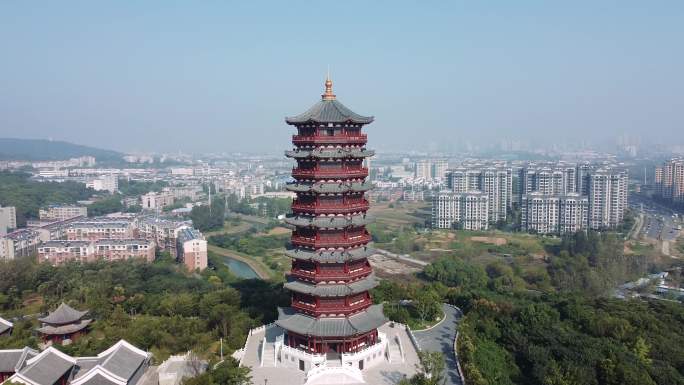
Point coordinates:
[(331, 242)]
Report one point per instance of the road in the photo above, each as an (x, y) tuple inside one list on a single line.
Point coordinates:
[(441, 339)]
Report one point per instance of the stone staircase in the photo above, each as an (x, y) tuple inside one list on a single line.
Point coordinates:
[(269, 354), (394, 351)]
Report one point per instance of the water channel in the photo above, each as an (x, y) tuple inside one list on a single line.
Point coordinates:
[(240, 268)]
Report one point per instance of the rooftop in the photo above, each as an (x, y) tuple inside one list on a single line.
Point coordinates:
[(362, 322), (64, 314), (329, 110)]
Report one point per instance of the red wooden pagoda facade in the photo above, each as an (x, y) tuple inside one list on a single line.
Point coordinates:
[(332, 311)]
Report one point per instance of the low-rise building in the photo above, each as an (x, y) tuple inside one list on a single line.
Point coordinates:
[(104, 183), (121, 364), (192, 249), (5, 330), (8, 219), (99, 228), (156, 200), (19, 243), (62, 213), (59, 252)]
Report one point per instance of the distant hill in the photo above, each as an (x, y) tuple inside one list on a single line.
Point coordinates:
[(41, 149)]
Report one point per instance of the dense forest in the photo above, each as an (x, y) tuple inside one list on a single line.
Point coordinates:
[(158, 307), (559, 325), (16, 189)]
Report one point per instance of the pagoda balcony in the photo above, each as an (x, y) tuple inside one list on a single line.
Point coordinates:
[(330, 242), (338, 208), (302, 140), (324, 276), (335, 173), (318, 310)]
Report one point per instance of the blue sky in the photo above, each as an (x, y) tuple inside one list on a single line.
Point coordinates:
[(221, 76)]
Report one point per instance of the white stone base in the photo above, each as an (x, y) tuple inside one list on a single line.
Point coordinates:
[(386, 362)]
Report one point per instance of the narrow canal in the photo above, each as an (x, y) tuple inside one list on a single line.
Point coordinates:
[(240, 268)]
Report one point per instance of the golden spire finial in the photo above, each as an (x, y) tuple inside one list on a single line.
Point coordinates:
[(328, 95)]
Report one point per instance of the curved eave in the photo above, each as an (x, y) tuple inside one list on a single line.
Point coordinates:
[(330, 256), (329, 111), (334, 289)]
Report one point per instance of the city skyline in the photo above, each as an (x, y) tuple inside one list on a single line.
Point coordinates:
[(225, 74)]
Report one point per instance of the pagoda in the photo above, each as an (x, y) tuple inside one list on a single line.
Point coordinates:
[(331, 312), (64, 325)]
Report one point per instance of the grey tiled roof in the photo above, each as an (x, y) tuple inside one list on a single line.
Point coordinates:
[(330, 256), (11, 360), (327, 222), (330, 188), (333, 290), (64, 314), (64, 329), (329, 111), (371, 318), (48, 368), (123, 362), (99, 379)]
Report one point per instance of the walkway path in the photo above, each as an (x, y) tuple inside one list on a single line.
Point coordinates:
[(402, 257), (441, 339), (258, 269)]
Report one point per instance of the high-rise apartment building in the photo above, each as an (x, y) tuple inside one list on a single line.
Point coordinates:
[(423, 169), (669, 181), (466, 210), (554, 214), (431, 169), (607, 198), (495, 182)]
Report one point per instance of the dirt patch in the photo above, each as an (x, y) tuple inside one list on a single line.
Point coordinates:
[(391, 266), (498, 241), (278, 231)]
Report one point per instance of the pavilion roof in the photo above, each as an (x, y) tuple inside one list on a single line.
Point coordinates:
[(64, 329), (64, 314), (371, 318)]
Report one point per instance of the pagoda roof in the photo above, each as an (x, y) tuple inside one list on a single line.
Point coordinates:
[(332, 289), (323, 153), (329, 188), (330, 256), (64, 314), (362, 322), (329, 110), (327, 221), (64, 329)]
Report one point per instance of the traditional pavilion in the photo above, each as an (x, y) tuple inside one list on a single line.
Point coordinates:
[(332, 311), (65, 324)]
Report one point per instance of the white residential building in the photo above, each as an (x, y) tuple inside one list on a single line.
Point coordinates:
[(468, 210)]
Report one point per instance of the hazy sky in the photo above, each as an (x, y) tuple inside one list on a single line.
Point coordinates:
[(215, 76)]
